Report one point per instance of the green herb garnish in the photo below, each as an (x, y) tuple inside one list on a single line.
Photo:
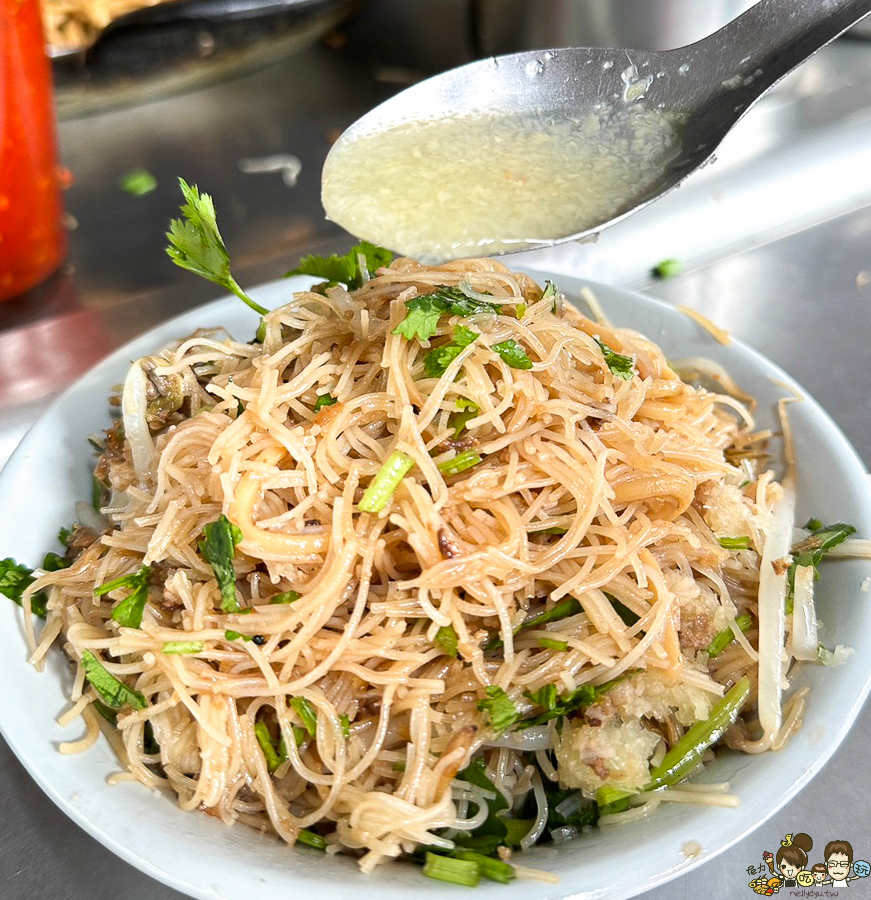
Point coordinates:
[(384, 484), (562, 610), (513, 354), (620, 365), (500, 708), (725, 637), (454, 871), (113, 692), (738, 542), (272, 756), (310, 839), (811, 550), (551, 644), (446, 640), (182, 647), (196, 244), (15, 579), (437, 360), (137, 182), (353, 269), (468, 410), (306, 711), (218, 548), (324, 400), (284, 597), (667, 268), (423, 313), (129, 611), (459, 463)]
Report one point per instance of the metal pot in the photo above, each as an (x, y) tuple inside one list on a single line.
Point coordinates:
[(506, 26)]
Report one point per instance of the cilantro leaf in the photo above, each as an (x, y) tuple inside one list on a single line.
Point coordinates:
[(513, 354), (113, 692), (500, 708), (129, 611), (196, 244), (423, 313), (437, 360), (468, 411), (446, 640), (218, 548), (345, 269), (557, 705), (15, 579), (620, 365)]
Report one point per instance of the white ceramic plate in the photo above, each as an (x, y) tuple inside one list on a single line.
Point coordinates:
[(198, 855)]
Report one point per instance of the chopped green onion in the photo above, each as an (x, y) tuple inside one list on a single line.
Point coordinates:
[(627, 616), (459, 463), (137, 182), (345, 724), (562, 610), (739, 542), (687, 752), (454, 871), (494, 869), (725, 637), (310, 839), (113, 692), (304, 709), (385, 482), (811, 550), (273, 759), (550, 644), (667, 268), (184, 647), (284, 597), (232, 635), (324, 400), (446, 640)]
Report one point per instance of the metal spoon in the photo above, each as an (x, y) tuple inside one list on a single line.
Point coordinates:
[(706, 87)]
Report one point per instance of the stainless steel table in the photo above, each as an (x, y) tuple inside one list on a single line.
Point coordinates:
[(775, 239)]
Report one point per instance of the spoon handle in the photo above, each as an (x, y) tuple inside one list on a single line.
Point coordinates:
[(774, 36)]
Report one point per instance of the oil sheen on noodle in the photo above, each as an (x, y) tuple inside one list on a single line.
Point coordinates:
[(451, 188)]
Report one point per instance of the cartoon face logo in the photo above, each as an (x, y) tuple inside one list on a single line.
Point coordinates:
[(838, 865)]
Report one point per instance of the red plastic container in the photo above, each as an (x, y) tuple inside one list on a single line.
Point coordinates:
[(32, 236)]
